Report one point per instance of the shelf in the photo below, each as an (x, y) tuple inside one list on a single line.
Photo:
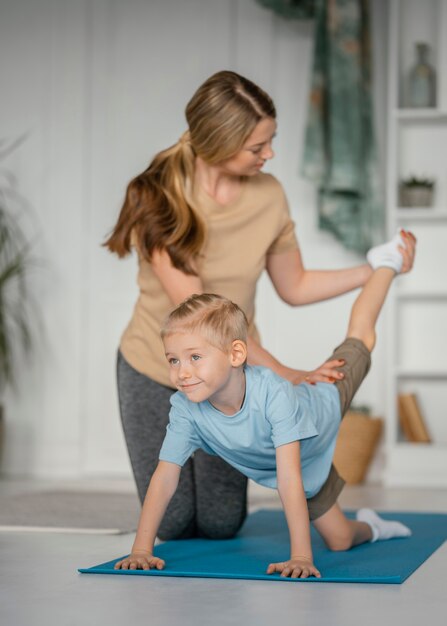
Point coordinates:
[(420, 214), (410, 445), (436, 374), (421, 296), (420, 115), (416, 144), (417, 464)]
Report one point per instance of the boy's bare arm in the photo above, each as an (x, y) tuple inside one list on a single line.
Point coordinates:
[(162, 487), (293, 498)]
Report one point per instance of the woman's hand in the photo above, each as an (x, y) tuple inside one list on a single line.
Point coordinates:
[(296, 567), (408, 252), (140, 560), (326, 373)]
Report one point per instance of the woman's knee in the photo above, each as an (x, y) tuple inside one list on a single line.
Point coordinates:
[(220, 527), (221, 497), (177, 528), (215, 521)]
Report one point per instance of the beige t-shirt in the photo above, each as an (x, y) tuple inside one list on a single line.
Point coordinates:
[(240, 235)]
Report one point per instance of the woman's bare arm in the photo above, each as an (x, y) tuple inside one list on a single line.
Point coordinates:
[(297, 286)]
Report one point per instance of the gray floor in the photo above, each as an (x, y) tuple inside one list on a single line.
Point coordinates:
[(39, 584)]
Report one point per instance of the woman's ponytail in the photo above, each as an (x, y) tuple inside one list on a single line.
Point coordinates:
[(157, 212)]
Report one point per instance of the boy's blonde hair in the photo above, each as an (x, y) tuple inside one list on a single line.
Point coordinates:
[(216, 318)]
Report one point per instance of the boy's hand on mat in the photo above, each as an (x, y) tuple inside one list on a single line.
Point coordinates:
[(139, 560), (299, 567)]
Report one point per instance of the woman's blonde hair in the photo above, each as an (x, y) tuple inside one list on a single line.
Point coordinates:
[(158, 212), (219, 320)]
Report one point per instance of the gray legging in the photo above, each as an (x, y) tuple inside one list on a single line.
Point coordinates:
[(211, 499)]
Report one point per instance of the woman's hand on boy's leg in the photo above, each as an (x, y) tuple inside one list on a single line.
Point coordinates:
[(326, 373), (140, 561), (299, 567)]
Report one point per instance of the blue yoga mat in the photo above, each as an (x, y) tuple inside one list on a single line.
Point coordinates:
[(264, 539)]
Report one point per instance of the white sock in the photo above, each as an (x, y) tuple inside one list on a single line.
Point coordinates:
[(387, 254), (382, 529)]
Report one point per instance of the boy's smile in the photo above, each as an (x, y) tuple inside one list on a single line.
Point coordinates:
[(202, 371)]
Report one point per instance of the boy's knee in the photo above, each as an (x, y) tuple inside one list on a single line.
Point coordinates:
[(339, 542)]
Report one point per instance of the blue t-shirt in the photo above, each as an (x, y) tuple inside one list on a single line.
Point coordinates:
[(274, 413)]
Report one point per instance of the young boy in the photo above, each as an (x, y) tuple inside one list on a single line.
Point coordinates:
[(280, 435)]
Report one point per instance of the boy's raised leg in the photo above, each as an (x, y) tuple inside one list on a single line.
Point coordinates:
[(368, 305), (386, 261)]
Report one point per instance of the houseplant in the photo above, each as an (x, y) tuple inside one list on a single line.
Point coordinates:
[(15, 261), (416, 192)]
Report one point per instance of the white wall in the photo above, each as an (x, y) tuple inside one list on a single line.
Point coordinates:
[(101, 86)]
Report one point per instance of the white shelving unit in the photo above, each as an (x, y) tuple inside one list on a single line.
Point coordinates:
[(417, 312)]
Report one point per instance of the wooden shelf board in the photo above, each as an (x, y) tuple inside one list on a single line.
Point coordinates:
[(416, 464), (422, 296), (428, 214), (437, 374), (407, 446), (420, 115)]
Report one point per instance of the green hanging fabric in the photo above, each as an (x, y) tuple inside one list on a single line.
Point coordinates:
[(340, 151)]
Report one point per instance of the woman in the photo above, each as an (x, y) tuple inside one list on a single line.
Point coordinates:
[(203, 218)]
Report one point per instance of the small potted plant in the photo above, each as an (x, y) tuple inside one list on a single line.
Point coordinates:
[(416, 192), (15, 261)]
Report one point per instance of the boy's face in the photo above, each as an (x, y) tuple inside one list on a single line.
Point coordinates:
[(197, 368)]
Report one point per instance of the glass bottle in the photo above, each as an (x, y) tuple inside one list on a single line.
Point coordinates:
[(422, 80)]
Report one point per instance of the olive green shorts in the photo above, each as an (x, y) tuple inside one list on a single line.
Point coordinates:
[(357, 363)]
